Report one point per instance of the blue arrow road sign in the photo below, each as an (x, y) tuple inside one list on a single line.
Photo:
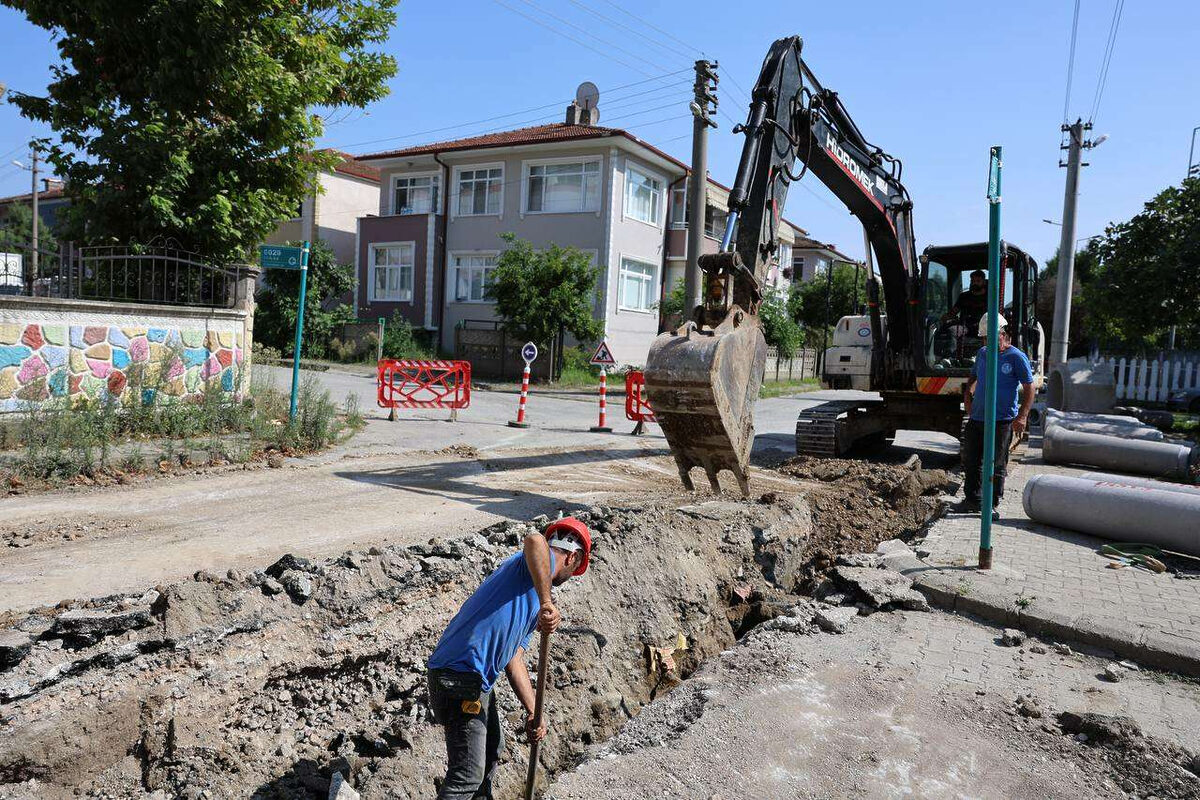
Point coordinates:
[(529, 352)]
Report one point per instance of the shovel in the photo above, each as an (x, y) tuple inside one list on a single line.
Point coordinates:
[(543, 668)]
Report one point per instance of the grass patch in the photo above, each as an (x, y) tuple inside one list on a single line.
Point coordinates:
[(64, 440), (783, 388)]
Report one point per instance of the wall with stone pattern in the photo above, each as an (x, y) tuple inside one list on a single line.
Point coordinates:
[(52, 349)]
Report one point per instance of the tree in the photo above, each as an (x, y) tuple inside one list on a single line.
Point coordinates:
[(539, 292), (191, 121), (16, 231), (813, 306), (779, 329), (1149, 268), (1086, 265), (278, 300)]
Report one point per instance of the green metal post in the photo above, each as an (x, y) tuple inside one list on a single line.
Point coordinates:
[(379, 347), (299, 332), (991, 368)]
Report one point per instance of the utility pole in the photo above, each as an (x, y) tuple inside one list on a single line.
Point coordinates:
[(1066, 247), (1193, 170), (33, 251), (705, 103)]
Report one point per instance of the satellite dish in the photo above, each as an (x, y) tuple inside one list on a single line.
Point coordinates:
[(587, 95), (594, 116)]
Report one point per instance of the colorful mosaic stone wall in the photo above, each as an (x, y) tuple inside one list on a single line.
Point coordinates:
[(41, 361)]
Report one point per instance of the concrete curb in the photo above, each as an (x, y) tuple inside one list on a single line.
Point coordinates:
[(968, 592)]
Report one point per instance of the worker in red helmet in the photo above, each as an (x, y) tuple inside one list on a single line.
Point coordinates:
[(490, 633)]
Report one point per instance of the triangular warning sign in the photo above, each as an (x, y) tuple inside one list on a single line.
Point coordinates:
[(603, 357)]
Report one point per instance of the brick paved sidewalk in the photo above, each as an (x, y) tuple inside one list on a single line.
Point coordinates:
[(1053, 581)]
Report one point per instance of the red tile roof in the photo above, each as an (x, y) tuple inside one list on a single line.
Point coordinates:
[(46, 194), (351, 166), (555, 132)]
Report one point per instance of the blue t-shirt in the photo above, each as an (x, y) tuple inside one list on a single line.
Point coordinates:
[(1014, 369), (500, 617)]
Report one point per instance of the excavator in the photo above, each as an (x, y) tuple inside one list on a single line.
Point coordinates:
[(703, 378)]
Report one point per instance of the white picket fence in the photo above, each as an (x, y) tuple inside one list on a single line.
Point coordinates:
[(1152, 380)]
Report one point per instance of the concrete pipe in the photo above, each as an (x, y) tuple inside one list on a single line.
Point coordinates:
[(1142, 432), (1170, 520), (1079, 385), (1149, 483), (1105, 419), (1157, 459)]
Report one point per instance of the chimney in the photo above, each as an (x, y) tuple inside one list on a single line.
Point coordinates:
[(578, 115)]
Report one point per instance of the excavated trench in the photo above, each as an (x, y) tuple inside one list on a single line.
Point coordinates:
[(263, 684)]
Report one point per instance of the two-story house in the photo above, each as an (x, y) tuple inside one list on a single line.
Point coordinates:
[(429, 253)]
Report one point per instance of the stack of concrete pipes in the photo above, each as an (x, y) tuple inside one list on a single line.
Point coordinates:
[(1118, 443), (1118, 507)]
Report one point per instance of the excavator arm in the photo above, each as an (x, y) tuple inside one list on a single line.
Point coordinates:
[(704, 378)]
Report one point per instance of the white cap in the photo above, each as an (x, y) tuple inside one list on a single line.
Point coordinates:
[(1001, 322)]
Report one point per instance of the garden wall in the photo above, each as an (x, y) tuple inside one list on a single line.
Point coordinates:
[(54, 348)]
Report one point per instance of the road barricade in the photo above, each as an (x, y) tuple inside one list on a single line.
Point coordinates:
[(637, 405), (411, 383)]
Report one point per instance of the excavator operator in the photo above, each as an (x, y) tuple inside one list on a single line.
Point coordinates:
[(971, 304)]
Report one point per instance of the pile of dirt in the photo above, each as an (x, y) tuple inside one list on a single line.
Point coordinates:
[(1144, 766), (264, 684), (855, 505)]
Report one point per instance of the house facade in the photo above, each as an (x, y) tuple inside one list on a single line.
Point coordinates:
[(443, 207), (811, 258), (332, 209)]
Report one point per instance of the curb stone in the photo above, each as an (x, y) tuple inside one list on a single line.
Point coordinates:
[(1149, 646)]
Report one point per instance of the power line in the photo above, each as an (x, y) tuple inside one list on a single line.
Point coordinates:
[(579, 42), (1118, 9), (635, 31), (557, 104), (1071, 62), (596, 38), (654, 27)]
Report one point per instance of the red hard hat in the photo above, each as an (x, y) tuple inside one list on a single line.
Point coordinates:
[(574, 526)]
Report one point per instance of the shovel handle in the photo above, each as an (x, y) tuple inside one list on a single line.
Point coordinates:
[(538, 702)]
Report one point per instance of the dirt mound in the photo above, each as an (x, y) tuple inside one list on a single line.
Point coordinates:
[(264, 684), (1142, 765), (856, 505)]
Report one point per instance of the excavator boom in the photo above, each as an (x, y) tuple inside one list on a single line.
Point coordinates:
[(703, 378)]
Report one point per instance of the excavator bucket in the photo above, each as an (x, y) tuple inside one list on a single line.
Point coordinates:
[(702, 385)]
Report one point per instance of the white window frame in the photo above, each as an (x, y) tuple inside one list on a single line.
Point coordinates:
[(452, 293), (456, 179), (436, 181), (638, 169), (526, 167), (682, 204), (372, 248), (653, 295)]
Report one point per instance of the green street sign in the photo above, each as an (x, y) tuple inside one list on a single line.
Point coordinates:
[(272, 256)]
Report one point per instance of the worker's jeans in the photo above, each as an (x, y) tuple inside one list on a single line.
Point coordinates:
[(972, 458), (473, 743)]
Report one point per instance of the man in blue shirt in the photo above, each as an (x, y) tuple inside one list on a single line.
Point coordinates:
[(490, 633), (1014, 373)]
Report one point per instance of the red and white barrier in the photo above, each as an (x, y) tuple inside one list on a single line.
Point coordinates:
[(602, 426), (407, 383), (520, 420), (637, 405)]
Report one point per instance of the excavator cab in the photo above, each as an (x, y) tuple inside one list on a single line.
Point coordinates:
[(954, 295)]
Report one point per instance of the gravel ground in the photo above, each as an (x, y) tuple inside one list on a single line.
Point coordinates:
[(863, 715)]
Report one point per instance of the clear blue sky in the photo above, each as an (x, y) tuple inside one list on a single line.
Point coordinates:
[(935, 83)]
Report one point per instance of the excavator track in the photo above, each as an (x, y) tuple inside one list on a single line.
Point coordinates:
[(826, 430)]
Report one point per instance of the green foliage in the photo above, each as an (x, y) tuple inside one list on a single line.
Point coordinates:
[(16, 231), (193, 121), (400, 340), (1149, 268), (64, 439), (779, 329), (814, 306), (671, 306), (1087, 264), (278, 301), (576, 370), (539, 292)]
